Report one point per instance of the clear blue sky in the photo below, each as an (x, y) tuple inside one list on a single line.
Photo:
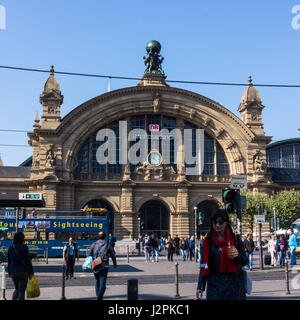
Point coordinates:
[(201, 41)]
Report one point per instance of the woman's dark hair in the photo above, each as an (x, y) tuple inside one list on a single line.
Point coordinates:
[(220, 213), (18, 237)]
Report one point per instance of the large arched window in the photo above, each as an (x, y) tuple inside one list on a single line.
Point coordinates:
[(88, 168)]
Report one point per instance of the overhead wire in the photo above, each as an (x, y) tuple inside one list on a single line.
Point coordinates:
[(137, 78)]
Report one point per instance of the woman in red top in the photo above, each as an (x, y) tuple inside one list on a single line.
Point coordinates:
[(222, 262)]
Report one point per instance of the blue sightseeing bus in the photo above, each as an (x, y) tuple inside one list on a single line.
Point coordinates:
[(49, 231)]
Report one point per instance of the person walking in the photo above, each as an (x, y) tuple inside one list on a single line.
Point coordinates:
[(191, 247), (183, 249), (154, 247), (223, 258), (272, 249), (292, 246), (281, 249), (112, 240), (70, 254), (105, 251), (146, 245), (19, 266), (177, 242), (249, 249), (170, 248)]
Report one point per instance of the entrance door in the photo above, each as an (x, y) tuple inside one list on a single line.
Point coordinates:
[(154, 218)]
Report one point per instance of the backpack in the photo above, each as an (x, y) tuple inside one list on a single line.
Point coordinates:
[(98, 264), (147, 240)]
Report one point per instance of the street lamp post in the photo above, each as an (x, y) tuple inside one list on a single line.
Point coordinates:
[(195, 209), (261, 262), (139, 234), (275, 222), (196, 244)]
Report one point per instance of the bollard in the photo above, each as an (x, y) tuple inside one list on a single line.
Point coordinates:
[(3, 283), (287, 283), (132, 289), (63, 297), (196, 254), (176, 281), (128, 253)]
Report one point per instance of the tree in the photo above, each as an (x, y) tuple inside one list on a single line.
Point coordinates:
[(286, 203), (253, 201)]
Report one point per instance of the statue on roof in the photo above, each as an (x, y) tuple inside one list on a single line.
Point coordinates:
[(154, 59)]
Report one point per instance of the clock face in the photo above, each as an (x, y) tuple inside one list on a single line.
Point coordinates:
[(154, 158)]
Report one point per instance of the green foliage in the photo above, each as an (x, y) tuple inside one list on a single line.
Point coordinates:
[(253, 201), (285, 202)]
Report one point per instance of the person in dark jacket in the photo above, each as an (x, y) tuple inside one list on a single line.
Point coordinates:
[(249, 248), (101, 271), (221, 265), (154, 247), (19, 266), (170, 248), (177, 242), (183, 249), (282, 246), (70, 253)]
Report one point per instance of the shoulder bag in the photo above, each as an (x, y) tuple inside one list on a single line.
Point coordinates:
[(88, 263), (97, 261)]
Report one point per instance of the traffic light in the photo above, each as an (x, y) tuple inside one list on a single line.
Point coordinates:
[(142, 225), (199, 216), (229, 199)]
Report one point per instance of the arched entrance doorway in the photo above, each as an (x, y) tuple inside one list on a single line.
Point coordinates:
[(154, 218), (205, 210), (99, 203)]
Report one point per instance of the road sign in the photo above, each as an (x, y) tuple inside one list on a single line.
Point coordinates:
[(259, 219), (238, 182), (30, 196)]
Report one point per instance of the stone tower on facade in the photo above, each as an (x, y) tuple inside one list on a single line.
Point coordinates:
[(51, 100), (251, 108)]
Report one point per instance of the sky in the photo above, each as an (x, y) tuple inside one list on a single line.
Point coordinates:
[(215, 41)]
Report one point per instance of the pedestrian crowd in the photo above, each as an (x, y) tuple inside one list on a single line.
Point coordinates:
[(152, 246), (222, 257)]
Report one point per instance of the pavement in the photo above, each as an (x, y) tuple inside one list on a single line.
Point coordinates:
[(264, 287)]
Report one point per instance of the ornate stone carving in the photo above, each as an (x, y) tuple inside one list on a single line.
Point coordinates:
[(126, 173), (50, 158), (36, 161), (156, 102), (259, 165)]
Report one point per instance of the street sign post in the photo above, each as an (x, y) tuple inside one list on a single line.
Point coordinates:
[(259, 219), (238, 182)]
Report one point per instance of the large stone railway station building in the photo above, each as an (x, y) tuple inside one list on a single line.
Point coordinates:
[(152, 195)]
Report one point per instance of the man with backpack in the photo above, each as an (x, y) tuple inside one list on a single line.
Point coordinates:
[(101, 251)]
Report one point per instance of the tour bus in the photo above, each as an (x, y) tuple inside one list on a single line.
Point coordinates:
[(47, 232)]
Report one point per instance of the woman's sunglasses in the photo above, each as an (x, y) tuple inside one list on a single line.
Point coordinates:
[(219, 221)]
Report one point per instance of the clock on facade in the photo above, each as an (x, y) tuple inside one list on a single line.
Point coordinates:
[(154, 158)]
